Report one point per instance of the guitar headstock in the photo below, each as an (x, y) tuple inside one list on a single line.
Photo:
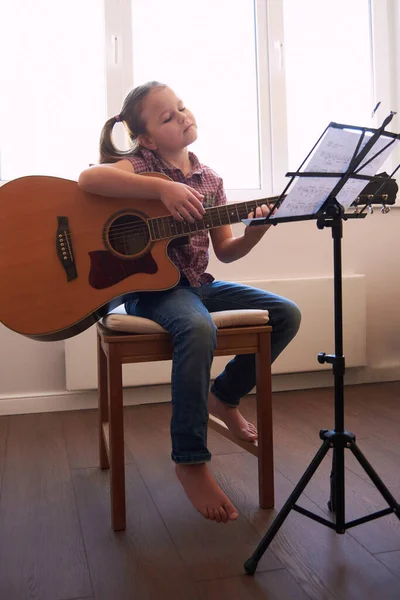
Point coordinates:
[(378, 193)]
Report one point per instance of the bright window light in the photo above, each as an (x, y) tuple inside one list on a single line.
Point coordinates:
[(53, 73), (206, 52), (328, 63)]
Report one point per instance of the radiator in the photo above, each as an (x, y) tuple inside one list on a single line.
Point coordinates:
[(314, 296)]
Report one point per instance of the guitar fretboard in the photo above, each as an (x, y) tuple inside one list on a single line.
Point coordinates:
[(162, 228)]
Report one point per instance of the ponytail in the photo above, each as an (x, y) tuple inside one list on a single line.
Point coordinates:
[(109, 153), (130, 115)]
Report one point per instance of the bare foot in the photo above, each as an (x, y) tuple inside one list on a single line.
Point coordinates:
[(232, 418), (205, 494)]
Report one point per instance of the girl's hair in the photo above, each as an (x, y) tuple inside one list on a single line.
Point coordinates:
[(131, 116)]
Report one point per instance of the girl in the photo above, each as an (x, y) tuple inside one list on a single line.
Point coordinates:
[(161, 128)]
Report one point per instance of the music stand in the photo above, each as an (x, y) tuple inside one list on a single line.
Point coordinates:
[(331, 213)]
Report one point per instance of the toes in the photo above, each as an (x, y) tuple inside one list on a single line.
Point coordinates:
[(211, 515), (250, 436), (223, 514), (252, 431), (231, 512), (220, 514), (217, 515)]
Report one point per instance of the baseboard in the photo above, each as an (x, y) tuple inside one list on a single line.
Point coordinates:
[(62, 401)]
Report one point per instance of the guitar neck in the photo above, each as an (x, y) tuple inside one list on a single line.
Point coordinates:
[(162, 228)]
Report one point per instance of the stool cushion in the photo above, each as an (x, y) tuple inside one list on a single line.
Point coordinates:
[(118, 320)]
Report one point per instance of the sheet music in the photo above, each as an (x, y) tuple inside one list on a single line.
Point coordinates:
[(354, 187), (333, 155)]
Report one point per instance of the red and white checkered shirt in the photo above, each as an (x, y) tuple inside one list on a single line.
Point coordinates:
[(191, 259)]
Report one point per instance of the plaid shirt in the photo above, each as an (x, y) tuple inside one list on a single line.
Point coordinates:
[(192, 258)]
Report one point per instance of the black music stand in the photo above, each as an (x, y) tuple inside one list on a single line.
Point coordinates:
[(332, 214)]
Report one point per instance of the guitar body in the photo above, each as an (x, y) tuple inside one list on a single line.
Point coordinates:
[(67, 257)]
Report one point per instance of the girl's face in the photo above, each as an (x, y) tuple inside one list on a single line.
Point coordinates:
[(170, 126)]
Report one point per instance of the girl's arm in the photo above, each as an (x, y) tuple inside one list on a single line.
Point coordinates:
[(118, 180), (228, 248)]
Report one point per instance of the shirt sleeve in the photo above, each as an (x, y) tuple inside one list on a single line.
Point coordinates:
[(138, 163), (220, 196)]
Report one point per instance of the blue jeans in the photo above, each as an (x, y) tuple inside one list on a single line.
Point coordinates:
[(184, 312)]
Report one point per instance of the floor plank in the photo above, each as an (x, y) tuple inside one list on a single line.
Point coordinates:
[(41, 548), (292, 455), (384, 464), (140, 562), (391, 560), (264, 586), (80, 430), (56, 541), (81, 436), (208, 549), (4, 421), (160, 420), (326, 565), (314, 410)]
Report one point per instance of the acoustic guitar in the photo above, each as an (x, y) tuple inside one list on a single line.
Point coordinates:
[(68, 257)]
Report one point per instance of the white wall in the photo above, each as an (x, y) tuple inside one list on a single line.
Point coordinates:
[(370, 246)]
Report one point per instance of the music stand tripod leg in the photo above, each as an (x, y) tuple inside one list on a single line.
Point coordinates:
[(338, 438), (251, 564), (376, 480)]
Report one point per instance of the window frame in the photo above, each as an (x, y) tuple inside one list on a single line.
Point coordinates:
[(269, 35), (271, 79), (120, 77)]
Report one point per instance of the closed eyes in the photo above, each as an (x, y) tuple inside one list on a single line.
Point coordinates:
[(170, 117)]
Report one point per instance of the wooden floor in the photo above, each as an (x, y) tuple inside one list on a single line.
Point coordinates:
[(56, 542)]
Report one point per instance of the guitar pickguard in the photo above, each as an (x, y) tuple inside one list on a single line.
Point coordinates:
[(106, 269)]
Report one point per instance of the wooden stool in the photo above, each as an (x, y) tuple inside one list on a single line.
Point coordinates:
[(239, 332)]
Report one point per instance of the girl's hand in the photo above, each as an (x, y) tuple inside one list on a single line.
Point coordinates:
[(182, 201), (256, 232)]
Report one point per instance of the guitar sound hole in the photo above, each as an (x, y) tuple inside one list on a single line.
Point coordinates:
[(128, 235)]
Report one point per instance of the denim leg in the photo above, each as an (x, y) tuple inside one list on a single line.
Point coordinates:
[(181, 312), (239, 376)]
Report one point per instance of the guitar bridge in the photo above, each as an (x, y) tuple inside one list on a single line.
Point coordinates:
[(64, 248)]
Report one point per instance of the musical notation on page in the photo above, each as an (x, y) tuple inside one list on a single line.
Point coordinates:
[(333, 155)]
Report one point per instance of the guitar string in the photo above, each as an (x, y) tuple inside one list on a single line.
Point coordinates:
[(171, 222), (124, 231), (120, 232), (216, 209), (126, 228), (130, 227)]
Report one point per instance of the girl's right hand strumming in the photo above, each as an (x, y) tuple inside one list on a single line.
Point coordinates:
[(182, 201)]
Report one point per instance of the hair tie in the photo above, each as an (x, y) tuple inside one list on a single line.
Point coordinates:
[(117, 118)]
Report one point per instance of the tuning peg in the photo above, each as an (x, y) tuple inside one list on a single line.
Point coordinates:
[(385, 209)]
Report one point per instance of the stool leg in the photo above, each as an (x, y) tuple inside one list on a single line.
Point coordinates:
[(117, 456), (103, 401), (264, 422)]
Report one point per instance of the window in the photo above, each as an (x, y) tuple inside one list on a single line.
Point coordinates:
[(52, 67), (328, 64), (208, 55), (264, 78)]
